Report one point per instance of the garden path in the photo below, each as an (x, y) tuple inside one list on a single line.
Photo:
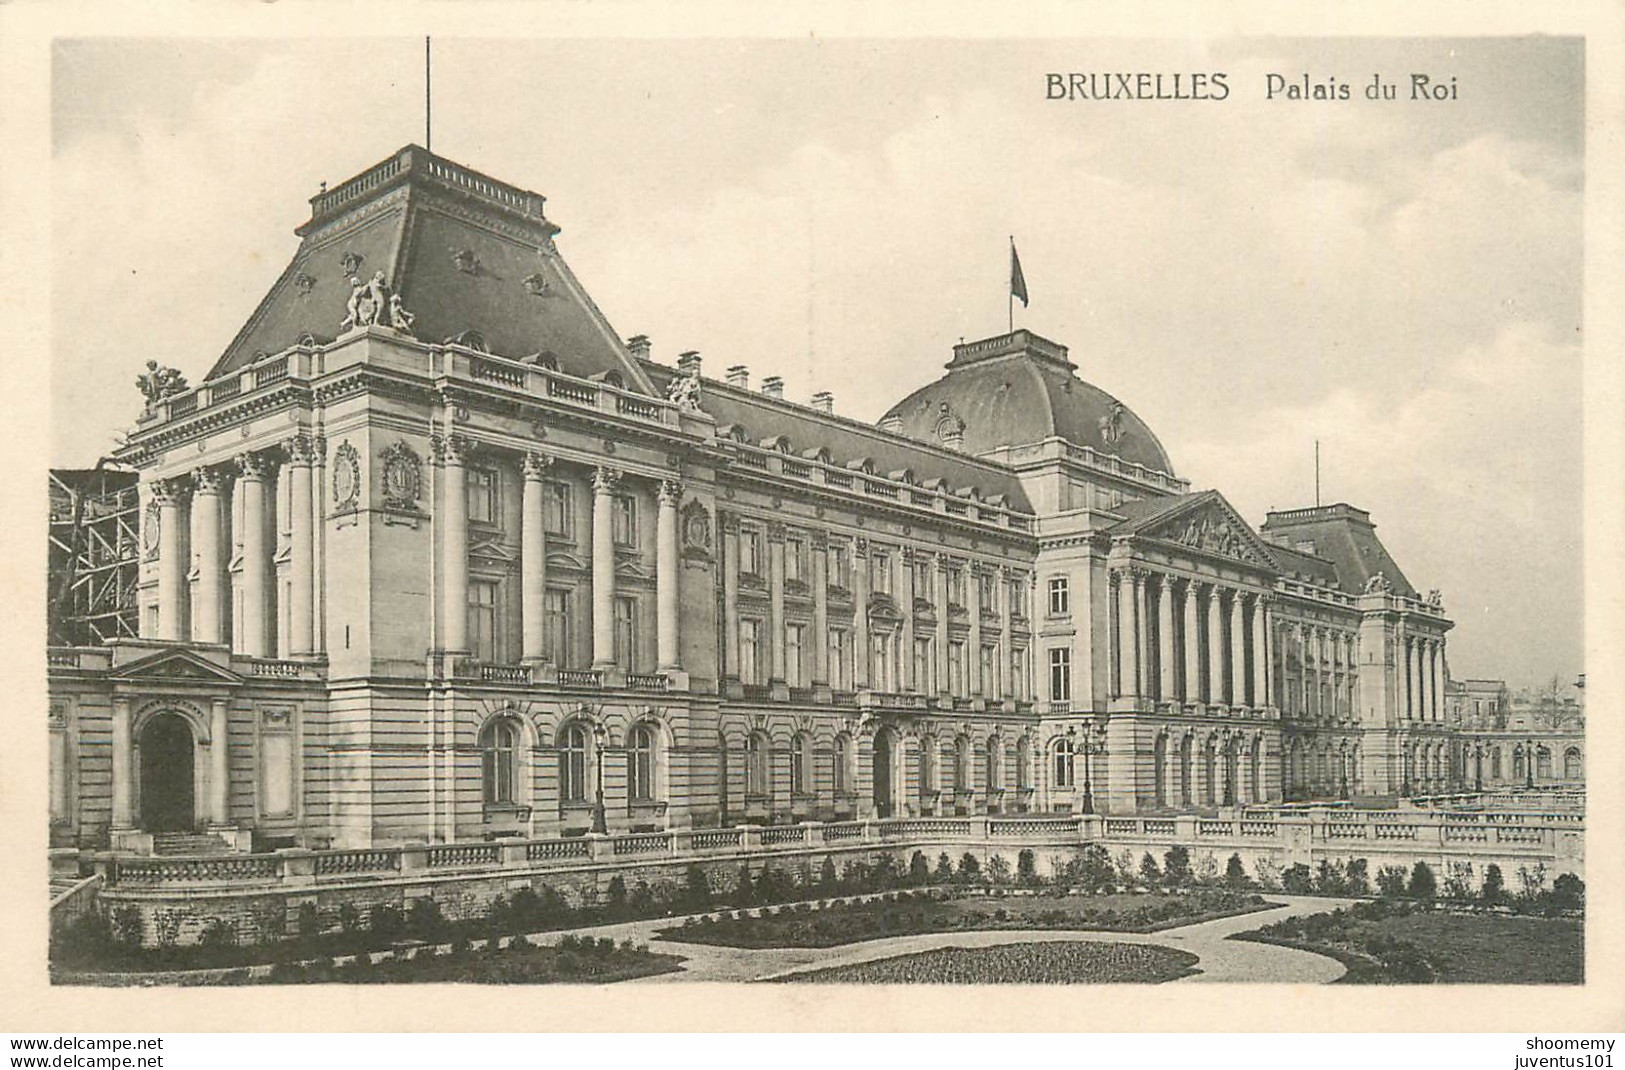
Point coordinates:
[(1221, 959)]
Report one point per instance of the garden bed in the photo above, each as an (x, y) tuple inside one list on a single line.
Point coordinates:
[(913, 913), (1402, 943), (1069, 962)]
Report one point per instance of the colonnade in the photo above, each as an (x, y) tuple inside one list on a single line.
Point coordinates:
[(1424, 678), (1324, 686), (1157, 650)]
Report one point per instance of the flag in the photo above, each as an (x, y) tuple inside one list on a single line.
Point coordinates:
[(1018, 282)]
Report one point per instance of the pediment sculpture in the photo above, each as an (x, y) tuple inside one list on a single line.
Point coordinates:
[(1214, 533)]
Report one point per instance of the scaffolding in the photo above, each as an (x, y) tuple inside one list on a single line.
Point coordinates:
[(94, 562)]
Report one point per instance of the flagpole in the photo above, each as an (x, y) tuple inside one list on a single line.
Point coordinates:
[(1010, 291)]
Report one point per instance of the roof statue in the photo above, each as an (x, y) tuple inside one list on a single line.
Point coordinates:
[(684, 392), (1436, 598), (1378, 584), (372, 304), (158, 383)]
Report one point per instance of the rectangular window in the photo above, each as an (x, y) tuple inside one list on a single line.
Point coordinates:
[(880, 571), (482, 496), (750, 651), (956, 668), (922, 579), (956, 586), (795, 561), (560, 514), (794, 640), (556, 611), (881, 644), (750, 552), (840, 566), (923, 665), (482, 619), (1060, 674), (624, 520), (1060, 597), (1018, 673), (1018, 599), (626, 634), (985, 679), (840, 665), (985, 588)]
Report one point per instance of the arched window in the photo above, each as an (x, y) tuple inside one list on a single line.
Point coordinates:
[(1024, 763), (757, 749), (995, 764), (800, 756), (640, 763), (1495, 764), (1571, 764), (499, 759), (1543, 763), (1065, 763), (962, 781), (722, 778), (1517, 763), (843, 765), (928, 765), (573, 763)]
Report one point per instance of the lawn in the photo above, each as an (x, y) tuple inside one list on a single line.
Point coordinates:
[(923, 912), (1404, 944), (581, 962), (1066, 962)]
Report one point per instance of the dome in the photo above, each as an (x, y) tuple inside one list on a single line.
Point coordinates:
[(1016, 389)]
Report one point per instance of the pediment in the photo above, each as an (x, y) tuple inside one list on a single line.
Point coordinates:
[(491, 550), (176, 665), (1210, 526)]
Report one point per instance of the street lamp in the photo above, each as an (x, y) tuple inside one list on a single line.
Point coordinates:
[(600, 821), (1094, 742), (1529, 762)]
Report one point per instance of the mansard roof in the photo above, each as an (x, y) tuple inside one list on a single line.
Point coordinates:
[(762, 418), (464, 252), (1343, 536)]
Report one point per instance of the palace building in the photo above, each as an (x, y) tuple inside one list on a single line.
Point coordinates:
[(432, 554)]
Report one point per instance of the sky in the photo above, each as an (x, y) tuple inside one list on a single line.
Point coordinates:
[(1399, 280)]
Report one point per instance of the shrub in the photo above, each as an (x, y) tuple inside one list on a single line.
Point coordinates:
[(1494, 888), (1297, 879), (1027, 867), (1329, 879), (1207, 868), (1235, 874), (424, 919), (969, 868), (1458, 881), (1391, 881), (696, 888), (826, 874), (945, 869), (218, 933), (617, 896), (1568, 892), (128, 928), (1355, 877), (998, 870), (1125, 866), (349, 919), (1266, 872), (919, 869), (310, 921), (1094, 869), (1150, 873), (1423, 884), (524, 909), (1176, 865), (1532, 881)]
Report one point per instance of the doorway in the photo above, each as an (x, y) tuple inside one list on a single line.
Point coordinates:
[(167, 800), (884, 800)]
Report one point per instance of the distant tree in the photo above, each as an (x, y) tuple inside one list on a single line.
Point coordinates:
[(1235, 874), (1125, 866), (1493, 889), (1266, 872), (1150, 872), (945, 869), (617, 896), (1329, 878), (998, 870), (1568, 892), (919, 870), (1176, 865), (1391, 881), (1423, 884), (1356, 878), (1532, 881), (970, 868), (827, 880), (1298, 879), (745, 890), (696, 888), (1094, 867), (1027, 867), (1207, 868)]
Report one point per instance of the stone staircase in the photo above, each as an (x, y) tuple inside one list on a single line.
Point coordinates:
[(188, 843)]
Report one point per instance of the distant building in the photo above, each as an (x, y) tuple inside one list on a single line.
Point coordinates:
[(1532, 739), (433, 555)]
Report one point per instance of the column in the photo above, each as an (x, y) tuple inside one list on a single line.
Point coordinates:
[(1424, 689), (820, 593), (254, 640), (1300, 634), (1438, 680), (905, 603), (860, 614), (170, 494), (1410, 677), (211, 563), (1165, 638), (1192, 691), (1261, 690), (1142, 632), (730, 593), (605, 482), (667, 579), (973, 613), (1238, 652), (533, 559), (1215, 647), (1001, 661), (941, 651), (775, 599), (123, 762), (302, 552), (318, 542), (1123, 592), (219, 764)]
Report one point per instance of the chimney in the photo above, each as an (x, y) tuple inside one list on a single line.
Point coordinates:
[(824, 402), (688, 363), (739, 376), (892, 422), (638, 344), (952, 435), (773, 386)]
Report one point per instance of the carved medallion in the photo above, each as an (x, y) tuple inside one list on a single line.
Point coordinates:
[(403, 477), (150, 531), (350, 263), (304, 283), (696, 528), (346, 476)]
